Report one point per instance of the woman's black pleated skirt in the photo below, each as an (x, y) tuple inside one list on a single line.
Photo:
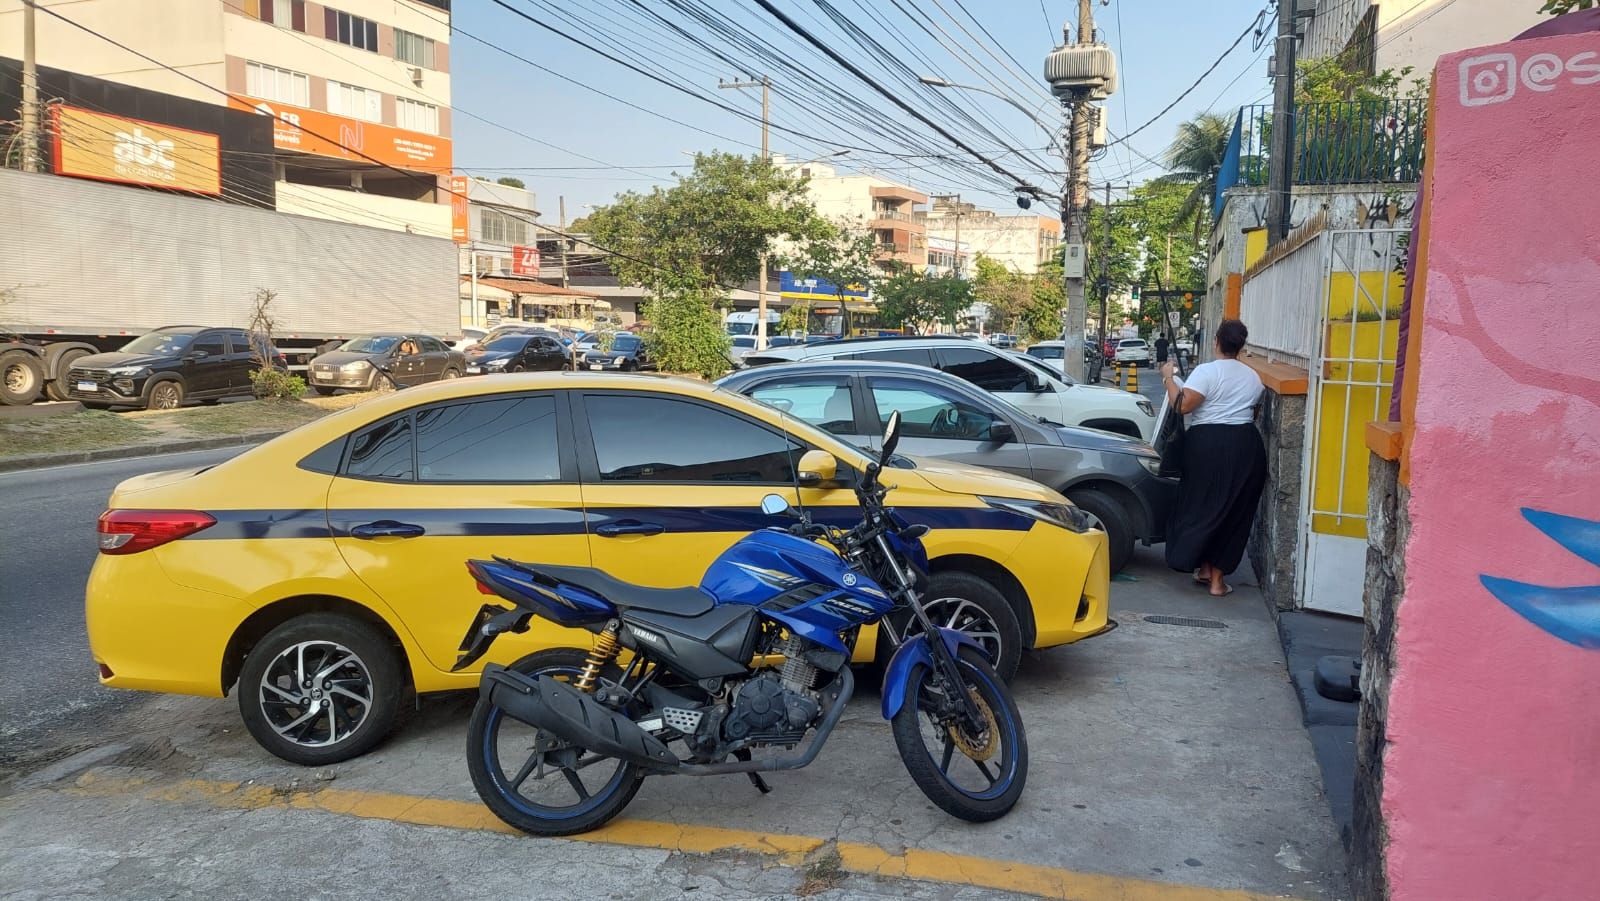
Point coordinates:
[(1224, 469)]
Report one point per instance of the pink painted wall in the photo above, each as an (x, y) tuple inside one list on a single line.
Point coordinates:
[(1492, 772)]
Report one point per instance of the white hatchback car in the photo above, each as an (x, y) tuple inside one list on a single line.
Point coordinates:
[(1133, 350), (1027, 382)]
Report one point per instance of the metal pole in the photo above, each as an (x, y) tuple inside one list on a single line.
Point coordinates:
[(472, 256), (1280, 180), (562, 243), (30, 93), (1169, 258), (1105, 294), (957, 266), (1075, 201), (766, 112)]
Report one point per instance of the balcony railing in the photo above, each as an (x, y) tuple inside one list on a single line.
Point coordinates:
[(1338, 143), (895, 215)]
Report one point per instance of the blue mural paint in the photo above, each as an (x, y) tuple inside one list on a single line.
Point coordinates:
[(1570, 614)]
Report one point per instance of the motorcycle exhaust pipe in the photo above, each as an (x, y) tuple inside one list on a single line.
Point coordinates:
[(573, 716)]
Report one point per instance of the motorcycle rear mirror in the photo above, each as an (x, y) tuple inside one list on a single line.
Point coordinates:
[(774, 505), (891, 436)]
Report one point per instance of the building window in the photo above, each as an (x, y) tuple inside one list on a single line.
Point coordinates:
[(357, 103), (353, 30), (285, 13), (500, 228), (410, 114), (413, 48), (280, 85)]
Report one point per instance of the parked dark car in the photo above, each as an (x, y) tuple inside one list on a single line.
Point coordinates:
[(518, 353), (169, 367), (410, 359), (1110, 477), (627, 354)]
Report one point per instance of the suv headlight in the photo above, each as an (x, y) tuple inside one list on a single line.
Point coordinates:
[(1063, 516), (128, 370), (1146, 407)]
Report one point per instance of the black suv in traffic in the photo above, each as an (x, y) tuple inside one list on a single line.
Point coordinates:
[(167, 367)]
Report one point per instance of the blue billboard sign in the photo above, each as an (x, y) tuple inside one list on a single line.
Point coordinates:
[(811, 288)]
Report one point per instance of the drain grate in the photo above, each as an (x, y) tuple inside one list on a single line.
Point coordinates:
[(1191, 621)]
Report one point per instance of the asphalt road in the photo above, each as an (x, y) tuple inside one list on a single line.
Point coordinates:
[(47, 545)]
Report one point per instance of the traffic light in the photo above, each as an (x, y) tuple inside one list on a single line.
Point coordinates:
[(1135, 292)]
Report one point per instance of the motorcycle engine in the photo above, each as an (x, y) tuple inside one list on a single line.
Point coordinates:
[(765, 709)]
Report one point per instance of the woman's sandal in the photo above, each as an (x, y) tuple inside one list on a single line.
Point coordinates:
[(1227, 590)]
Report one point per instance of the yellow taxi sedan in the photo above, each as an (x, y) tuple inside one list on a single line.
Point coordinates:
[(323, 572)]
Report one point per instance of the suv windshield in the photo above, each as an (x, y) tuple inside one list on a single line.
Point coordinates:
[(371, 344), (159, 344), (509, 342), (625, 343)]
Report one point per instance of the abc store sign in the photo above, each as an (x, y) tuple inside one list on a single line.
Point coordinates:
[(1498, 77)]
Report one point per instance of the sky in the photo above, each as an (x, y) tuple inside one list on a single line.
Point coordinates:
[(553, 130)]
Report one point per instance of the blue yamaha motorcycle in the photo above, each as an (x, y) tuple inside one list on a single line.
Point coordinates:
[(732, 675)]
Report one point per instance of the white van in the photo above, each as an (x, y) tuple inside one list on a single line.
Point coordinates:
[(744, 322)]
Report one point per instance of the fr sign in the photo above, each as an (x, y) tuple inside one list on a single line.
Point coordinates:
[(524, 260)]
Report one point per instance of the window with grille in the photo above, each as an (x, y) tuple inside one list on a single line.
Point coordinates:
[(413, 48), (357, 103), (500, 228), (353, 30), (410, 114), (281, 85)]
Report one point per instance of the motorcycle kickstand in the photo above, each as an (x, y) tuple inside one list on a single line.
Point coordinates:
[(743, 755)]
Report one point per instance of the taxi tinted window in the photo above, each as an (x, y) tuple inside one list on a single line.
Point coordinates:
[(383, 451), (655, 439), (510, 439)]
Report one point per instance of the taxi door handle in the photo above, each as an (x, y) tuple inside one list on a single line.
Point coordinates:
[(387, 528), (629, 527)]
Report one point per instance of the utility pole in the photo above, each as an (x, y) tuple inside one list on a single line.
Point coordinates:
[(1280, 175), (1169, 258), (1105, 278), (30, 93), (766, 126), (1074, 208), (562, 243)]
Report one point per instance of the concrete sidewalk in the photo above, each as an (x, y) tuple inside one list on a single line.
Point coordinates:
[(1167, 761)]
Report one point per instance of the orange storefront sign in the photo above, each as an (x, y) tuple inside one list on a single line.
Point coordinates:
[(324, 134), (136, 152)]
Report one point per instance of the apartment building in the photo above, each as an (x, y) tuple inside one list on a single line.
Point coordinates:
[(1395, 34), (885, 207), (1019, 242), (358, 90)]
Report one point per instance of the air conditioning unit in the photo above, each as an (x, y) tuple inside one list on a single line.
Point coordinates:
[(416, 76)]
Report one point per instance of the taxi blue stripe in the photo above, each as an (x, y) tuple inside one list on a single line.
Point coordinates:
[(533, 521)]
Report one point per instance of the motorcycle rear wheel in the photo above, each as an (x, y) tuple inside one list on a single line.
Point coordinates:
[(976, 778), (494, 739)]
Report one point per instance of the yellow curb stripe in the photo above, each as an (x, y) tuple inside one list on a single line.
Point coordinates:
[(790, 850)]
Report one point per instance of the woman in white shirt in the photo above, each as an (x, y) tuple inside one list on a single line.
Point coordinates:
[(1224, 463)]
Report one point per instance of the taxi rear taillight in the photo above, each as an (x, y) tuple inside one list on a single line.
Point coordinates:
[(132, 531)]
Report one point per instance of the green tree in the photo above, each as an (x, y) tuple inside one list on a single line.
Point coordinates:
[(690, 243), (1561, 7), (838, 254), (1040, 320), (510, 182), (1195, 157), (1007, 294), (911, 298)]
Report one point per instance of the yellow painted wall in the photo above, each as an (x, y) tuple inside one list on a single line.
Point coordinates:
[(1255, 246)]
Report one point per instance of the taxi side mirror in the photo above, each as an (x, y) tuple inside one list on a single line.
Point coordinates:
[(817, 467)]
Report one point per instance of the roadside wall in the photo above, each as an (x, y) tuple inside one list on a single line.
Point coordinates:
[(1274, 547), (1479, 736)]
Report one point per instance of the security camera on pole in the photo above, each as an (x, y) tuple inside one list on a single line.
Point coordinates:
[(1078, 74)]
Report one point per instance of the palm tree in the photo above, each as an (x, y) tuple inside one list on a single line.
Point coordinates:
[(1195, 157)]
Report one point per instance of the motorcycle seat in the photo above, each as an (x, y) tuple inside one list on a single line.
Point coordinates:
[(686, 601)]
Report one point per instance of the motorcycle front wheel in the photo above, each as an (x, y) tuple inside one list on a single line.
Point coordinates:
[(533, 780), (973, 774)]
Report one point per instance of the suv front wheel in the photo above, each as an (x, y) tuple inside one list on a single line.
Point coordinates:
[(164, 394)]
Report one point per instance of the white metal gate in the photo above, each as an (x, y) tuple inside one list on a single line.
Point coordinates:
[(1350, 386)]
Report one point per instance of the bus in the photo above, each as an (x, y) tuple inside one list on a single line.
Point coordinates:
[(856, 319)]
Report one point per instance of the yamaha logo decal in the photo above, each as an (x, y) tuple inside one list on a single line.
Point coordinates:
[(849, 580)]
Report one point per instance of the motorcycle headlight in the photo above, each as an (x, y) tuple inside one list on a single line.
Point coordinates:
[(357, 366), (1147, 408), (127, 370), (1064, 516), (497, 364)]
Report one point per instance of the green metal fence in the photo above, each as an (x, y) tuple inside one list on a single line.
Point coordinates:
[(1345, 142)]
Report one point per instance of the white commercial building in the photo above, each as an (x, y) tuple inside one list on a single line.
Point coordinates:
[(1395, 34), (1019, 242), (885, 207)]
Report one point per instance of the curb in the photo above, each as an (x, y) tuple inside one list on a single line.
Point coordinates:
[(43, 461)]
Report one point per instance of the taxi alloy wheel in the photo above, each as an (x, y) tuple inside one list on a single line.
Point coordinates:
[(967, 603), (320, 688)]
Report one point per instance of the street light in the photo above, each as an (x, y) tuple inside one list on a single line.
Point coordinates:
[(1032, 115)]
